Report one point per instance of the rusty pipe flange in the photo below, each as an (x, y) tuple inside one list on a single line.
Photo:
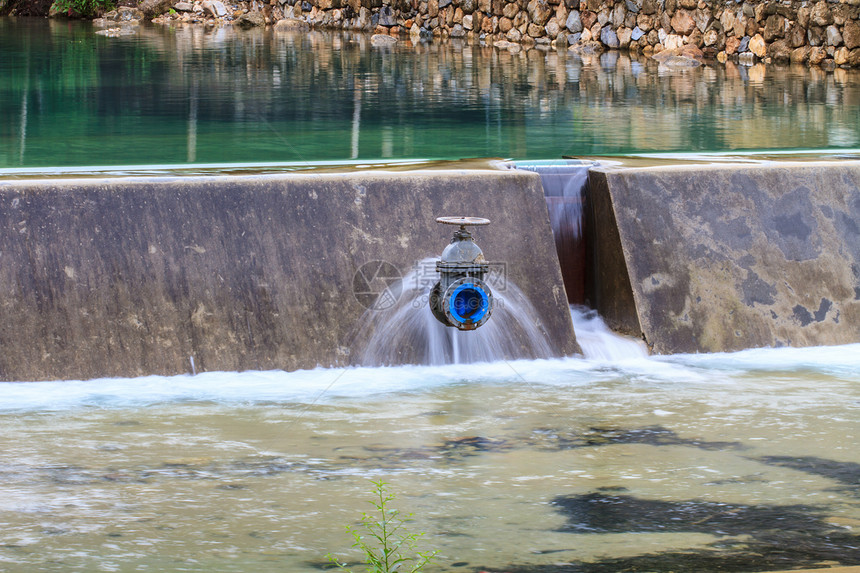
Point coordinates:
[(467, 303)]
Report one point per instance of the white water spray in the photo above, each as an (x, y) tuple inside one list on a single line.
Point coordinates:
[(407, 332), (598, 342)]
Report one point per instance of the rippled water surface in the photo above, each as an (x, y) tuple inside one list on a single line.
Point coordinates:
[(193, 95), (737, 462)]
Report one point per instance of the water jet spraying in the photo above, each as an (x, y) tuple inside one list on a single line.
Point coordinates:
[(461, 299)]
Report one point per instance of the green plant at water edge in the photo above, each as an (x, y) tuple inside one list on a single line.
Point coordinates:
[(388, 547), (84, 7)]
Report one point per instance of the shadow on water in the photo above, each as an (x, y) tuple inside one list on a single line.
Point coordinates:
[(753, 538), (846, 472)]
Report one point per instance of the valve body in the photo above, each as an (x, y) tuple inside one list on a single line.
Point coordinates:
[(461, 299)]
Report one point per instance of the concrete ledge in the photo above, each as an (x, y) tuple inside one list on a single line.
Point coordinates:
[(726, 257), (127, 277)]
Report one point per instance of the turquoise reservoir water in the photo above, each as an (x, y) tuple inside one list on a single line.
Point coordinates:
[(69, 97)]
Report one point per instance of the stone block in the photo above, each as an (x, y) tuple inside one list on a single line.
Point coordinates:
[(608, 37), (832, 36), (797, 36), (539, 12), (800, 55), (779, 51), (815, 36), (703, 19), (682, 22), (774, 27), (252, 19), (573, 23), (851, 35), (617, 15), (153, 8), (820, 14), (650, 7), (732, 45), (758, 46), (588, 19), (722, 258), (817, 55), (625, 35)]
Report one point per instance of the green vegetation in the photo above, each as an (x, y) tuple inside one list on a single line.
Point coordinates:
[(85, 8), (386, 539)]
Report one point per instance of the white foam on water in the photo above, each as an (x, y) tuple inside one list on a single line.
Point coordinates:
[(598, 342), (325, 385), (843, 360), (607, 356)]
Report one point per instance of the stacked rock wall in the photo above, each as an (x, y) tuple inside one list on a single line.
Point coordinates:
[(823, 33)]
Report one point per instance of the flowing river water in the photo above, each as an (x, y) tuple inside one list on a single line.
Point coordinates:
[(741, 462)]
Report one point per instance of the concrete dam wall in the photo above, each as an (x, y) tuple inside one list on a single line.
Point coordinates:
[(128, 277), (727, 257), (136, 276)]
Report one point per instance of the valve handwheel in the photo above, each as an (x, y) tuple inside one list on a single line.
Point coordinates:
[(463, 221)]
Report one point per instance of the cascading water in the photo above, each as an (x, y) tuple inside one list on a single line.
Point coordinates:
[(407, 332), (598, 342), (564, 184)]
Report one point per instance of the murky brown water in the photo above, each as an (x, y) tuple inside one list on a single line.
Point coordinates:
[(507, 467)]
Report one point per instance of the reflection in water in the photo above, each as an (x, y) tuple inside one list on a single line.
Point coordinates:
[(740, 462), (166, 96)]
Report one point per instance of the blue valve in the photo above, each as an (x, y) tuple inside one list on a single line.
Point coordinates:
[(461, 299)]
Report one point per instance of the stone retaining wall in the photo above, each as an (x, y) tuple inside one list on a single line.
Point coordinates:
[(822, 33)]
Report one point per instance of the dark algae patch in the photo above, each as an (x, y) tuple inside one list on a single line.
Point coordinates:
[(752, 537)]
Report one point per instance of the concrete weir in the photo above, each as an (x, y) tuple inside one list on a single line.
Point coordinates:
[(706, 258), (136, 276)]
